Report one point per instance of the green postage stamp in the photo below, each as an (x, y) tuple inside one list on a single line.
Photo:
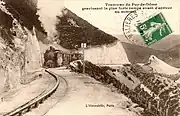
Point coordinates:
[(154, 29)]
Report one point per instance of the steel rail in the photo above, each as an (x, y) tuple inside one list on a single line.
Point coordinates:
[(35, 101)]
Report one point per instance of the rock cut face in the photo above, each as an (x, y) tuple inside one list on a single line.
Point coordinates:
[(19, 51), (160, 66), (107, 55)]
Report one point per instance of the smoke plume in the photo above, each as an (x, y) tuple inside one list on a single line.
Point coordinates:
[(48, 10)]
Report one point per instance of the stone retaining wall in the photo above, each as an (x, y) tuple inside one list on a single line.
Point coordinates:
[(158, 95)]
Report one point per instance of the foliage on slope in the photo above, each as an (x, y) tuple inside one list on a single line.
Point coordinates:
[(26, 11), (73, 30)]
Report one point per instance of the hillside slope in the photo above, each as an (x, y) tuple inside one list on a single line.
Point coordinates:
[(73, 30), (26, 11), (139, 54), (172, 56)]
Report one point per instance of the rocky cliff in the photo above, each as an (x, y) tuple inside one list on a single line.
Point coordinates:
[(19, 49)]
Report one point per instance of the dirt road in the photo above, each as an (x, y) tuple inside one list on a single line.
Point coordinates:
[(86, 96)]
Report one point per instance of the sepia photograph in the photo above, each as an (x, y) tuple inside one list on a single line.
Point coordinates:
[(89, 58)]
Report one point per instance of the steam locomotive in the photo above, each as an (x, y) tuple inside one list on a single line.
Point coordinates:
[(55, 58)]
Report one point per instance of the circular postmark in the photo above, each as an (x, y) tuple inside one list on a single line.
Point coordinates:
[(130, 23)]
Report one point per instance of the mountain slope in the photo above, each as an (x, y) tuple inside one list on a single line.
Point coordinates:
[(73, 30), (171, 56), (26, 11), (139, 54)]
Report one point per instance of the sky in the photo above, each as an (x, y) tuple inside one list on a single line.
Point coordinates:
[(111, 22)]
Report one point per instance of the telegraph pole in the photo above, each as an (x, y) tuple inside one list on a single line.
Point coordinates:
[(83, 62), (83, 45)]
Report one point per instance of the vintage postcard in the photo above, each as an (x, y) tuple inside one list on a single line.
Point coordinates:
[(89, 58)]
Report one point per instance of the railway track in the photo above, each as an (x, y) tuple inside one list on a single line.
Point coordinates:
[(34, 103)]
